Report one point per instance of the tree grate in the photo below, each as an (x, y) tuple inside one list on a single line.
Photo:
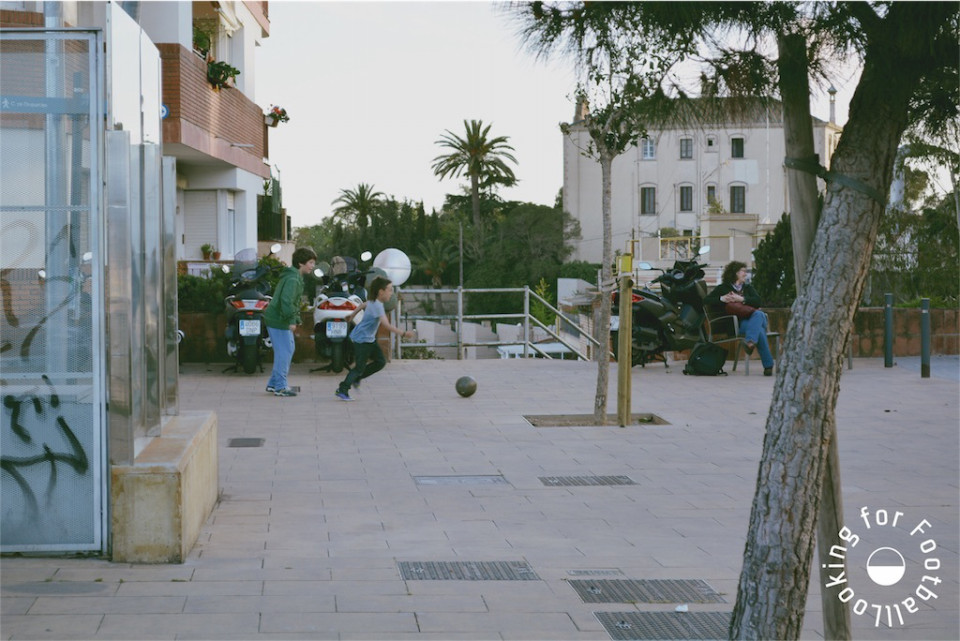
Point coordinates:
[(467, 571), (640, 626), (585, 481), (644, 591), (245, 442)]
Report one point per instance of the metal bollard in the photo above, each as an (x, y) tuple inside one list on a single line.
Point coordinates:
[(888, 330), (924, 338)]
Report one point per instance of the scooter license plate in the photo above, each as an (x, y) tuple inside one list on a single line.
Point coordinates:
[(336, 329), (614, 323), (249, 327)]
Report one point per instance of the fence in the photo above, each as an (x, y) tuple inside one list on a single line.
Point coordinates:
[(524, 316)]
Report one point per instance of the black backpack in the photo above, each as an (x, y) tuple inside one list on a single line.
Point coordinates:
[(706, 359)]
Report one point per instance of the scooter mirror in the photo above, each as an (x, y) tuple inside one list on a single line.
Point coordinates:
[(318, 272), (275, 248), (225, 269), (703, 250), (365, 256), (644, 266)]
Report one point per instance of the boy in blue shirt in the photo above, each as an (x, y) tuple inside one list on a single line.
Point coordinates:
[(368, 356)]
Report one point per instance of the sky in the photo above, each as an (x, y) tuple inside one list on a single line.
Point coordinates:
[(371, 86)]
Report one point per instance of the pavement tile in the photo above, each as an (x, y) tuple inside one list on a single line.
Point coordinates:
[(305, 541)]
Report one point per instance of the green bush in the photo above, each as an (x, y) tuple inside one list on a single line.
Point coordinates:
[(199, 294)]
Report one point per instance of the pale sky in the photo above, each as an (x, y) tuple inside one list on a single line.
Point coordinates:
[(370, 87)]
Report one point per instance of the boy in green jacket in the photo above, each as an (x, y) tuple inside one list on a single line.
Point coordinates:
[(282, 316)]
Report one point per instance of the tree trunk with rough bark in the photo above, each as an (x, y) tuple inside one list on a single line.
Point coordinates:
[(775, 577), (606, 278), (804, 213)]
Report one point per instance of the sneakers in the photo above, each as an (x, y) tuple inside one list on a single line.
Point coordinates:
[(343, 396), (271, 389), (285, 392), (768, 371)]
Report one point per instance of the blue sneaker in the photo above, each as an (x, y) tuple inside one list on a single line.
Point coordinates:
[(343, 396), (285, 392)]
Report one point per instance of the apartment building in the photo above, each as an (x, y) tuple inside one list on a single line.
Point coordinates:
[(723, 182)]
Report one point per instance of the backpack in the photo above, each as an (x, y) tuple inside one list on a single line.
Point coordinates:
[(706, 359)]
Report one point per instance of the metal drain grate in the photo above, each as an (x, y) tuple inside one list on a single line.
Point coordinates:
[(584, 481), (245, 442), (480, 479), (467, 571), (629, 626), (644, 591)]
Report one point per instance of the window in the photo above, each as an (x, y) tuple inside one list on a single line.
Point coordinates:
[(736, 147), (711, 143), (686, 148), (738, 199), (648, 149), (648, 200), (711, 194), (686, 198)]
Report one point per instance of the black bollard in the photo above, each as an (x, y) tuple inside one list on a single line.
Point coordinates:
[(888, 330), (924, 338)]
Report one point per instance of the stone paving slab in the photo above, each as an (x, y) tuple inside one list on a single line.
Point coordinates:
[(305, 541)]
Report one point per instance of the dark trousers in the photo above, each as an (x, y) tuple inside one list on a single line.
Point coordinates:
[(368, 360)]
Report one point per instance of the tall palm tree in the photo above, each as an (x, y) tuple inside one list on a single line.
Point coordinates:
[(357, 205), (482, 159)]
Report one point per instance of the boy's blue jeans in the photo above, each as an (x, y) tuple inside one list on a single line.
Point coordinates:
[(369, 360), (754, 329), (283, 345)]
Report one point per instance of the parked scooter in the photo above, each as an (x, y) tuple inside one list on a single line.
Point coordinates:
[(671, 319), (342, 292), (248, 297)]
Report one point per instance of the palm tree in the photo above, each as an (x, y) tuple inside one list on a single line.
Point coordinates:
[(357, 205), (482, 159), (434, 258)]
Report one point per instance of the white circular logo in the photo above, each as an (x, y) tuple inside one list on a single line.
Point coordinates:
[(886, 566)]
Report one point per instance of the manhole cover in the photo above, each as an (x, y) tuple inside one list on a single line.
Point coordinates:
[(628, 626), (467, 571), (568, 481), (461, 480), (245, 442), (587, 420), (644, 591)]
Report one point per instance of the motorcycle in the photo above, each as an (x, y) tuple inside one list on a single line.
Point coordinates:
[(671, 319), (247, 298), (342, 292)]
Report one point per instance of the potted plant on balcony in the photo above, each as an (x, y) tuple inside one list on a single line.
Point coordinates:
[(221, 74), (206, 249), (275, 116)]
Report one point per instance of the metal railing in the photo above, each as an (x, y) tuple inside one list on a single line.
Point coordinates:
[(460, 317)]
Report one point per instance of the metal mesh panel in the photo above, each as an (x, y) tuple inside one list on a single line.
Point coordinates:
[(50, 431)]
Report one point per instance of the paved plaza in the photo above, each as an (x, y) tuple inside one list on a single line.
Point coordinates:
[(351, 518)]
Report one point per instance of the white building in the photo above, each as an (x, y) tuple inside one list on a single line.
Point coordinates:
[(670, 178)]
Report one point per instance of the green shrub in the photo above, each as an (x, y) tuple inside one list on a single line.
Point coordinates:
[(199, 294)]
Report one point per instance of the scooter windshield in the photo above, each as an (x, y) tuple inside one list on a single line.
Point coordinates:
[(245, 260)]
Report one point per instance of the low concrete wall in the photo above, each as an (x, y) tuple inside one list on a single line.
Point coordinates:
[(159, 503), (868, 330)]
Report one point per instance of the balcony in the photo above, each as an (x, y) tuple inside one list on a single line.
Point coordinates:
[(207, 126)]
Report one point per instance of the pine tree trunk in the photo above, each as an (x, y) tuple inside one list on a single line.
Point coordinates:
[(772, 592), (606, 280), (804, 213)]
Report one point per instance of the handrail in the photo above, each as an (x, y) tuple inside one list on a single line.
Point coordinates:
[(460, 317)]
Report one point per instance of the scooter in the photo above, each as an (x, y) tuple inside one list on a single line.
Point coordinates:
[(248, 297), (343, 291), (671, 319)]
